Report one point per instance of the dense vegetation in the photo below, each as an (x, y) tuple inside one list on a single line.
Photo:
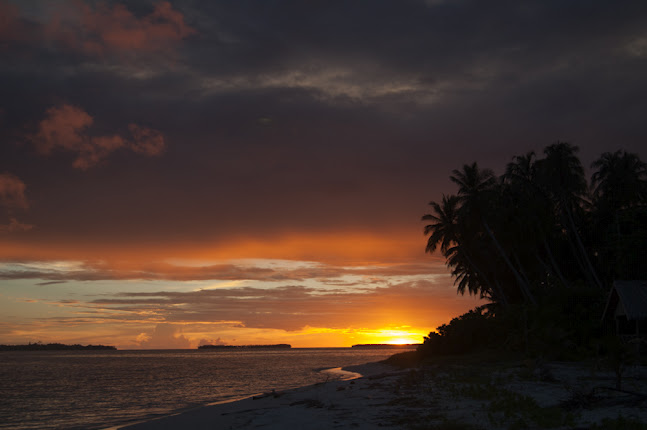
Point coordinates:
[(543, 245), (275, 346), (55, 347)]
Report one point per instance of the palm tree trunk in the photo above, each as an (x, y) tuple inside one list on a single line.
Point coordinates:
[(582, 249), (618, 246), (500, 290), (555, 265), (578, 258), (521, 271), (548, 271), (525, 289), (482, 276)]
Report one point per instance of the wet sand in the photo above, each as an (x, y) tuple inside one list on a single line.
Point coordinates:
[(550, 395), (361, 403)]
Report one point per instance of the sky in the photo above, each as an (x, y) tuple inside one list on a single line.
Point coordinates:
[(177, 173)]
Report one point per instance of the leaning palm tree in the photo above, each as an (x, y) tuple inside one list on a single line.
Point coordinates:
[(476, 190), (445, 232), (443, 229)]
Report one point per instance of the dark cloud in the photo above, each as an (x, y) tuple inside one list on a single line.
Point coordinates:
[(15, 226), (50, 283), (9, 24), (295, 117), (92, 28)]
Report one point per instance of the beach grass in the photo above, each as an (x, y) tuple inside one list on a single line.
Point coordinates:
[(502, 390)]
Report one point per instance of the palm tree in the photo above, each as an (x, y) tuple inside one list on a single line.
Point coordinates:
[(533, 210), (561, 176), (474, 185), (476, 191), (619, 189), (521, 170), (620, 180), (444, 228), (445, 231)]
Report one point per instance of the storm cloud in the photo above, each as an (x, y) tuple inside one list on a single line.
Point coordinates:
[(138, 134)]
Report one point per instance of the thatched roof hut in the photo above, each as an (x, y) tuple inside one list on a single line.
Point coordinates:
[(627, 306)]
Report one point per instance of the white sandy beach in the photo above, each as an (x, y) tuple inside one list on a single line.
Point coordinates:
[(358, 403), (552, 395)]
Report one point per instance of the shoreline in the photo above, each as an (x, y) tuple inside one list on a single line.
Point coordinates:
[(475, 396), (324, 405)]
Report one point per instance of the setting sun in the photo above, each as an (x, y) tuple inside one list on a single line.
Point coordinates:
[(402, 341), (398, 336)]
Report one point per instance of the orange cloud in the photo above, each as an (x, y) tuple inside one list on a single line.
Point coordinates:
[(292, 307), (12, 197), (164, 336), (12, 192), (65, 127), (349, 249), (291, 314), (285, 314), (114, 29)]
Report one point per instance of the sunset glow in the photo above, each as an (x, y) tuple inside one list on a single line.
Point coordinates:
[(403, 341), (178, 173), (186, 303)]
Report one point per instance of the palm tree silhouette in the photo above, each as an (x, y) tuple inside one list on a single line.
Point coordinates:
[(620, 180), (619, 189), (561, 177), (534, 213), (477, 192), (535, 228), (446, 230)]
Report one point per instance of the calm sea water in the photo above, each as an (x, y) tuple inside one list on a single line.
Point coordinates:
[(99, 389)]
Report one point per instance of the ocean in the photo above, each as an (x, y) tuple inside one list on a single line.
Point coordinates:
[(101, 389)]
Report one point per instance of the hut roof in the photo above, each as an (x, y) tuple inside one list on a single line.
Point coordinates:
[(632, 295)]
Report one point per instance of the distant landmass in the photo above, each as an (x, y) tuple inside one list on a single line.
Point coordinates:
[(54, 347), (277, 346), (385, 345)]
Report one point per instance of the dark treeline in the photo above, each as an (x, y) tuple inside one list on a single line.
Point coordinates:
[(385, 345), (275, 346), (54, 347), (542, 244)]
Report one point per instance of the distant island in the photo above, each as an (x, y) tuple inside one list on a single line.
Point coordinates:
[(385, 346), (277, 346), (55, 347)]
